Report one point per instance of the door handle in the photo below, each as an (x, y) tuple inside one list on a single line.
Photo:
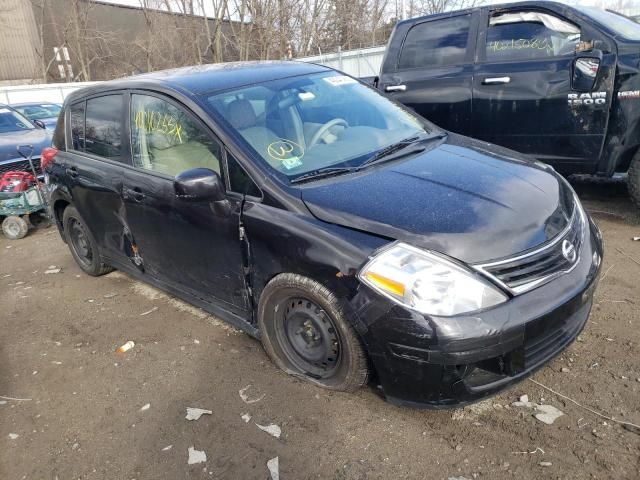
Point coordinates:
[(395, 88), (72, 172), (496, 80), (135, 194)]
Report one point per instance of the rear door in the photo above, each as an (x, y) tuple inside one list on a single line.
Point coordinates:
[(93, 166), (433, 72), (190, 246), (523, 92)]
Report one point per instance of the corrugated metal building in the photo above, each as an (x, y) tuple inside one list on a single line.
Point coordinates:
[(20, 44)]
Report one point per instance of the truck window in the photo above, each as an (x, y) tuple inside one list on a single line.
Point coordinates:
[(527, 35), (435, 44)]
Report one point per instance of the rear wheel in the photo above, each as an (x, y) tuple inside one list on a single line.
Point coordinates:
[(82, 245), (306, 333), (633, 179), (14, 227)]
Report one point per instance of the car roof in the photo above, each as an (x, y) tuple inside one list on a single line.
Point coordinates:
[(498, 6), (209, 78)]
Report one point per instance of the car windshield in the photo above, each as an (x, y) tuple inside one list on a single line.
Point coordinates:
[(305, 123), (33, 112), (617, 24), (12, 121)]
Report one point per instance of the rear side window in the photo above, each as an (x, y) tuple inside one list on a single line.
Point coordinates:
[(76, 116), (165, 139), (529, 35), (435, 44), (103, 126), (58, 140)]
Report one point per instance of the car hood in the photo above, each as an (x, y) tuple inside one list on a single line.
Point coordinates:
[(37, 137), (467, 199)]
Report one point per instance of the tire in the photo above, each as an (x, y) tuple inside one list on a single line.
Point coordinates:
[(39, 220), (305, 331), (14, 227), (633, 179), (82, 245)]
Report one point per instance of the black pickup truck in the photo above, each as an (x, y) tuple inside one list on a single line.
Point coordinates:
[(558, 82)]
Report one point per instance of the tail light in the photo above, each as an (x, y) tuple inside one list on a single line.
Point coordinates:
[(47, 156)]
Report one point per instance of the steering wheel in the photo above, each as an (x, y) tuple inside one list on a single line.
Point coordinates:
[(324, 129)]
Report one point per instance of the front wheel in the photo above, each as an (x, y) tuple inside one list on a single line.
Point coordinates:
[(83, 246), (633, 179), (306, 333)]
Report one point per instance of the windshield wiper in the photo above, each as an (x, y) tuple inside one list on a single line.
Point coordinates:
[(322, 173), (388, 153), (385, 154)]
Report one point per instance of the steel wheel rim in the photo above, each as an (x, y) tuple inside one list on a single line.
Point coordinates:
[(309, 337), (80, 241)]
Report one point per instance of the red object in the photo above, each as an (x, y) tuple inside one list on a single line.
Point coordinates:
[(47, 156), (16, 181)]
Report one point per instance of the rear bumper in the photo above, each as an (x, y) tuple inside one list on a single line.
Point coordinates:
[(433, 362)]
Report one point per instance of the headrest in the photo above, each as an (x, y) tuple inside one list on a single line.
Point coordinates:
[(241, 114)]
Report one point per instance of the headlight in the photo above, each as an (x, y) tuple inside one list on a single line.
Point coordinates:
[(427, 282)]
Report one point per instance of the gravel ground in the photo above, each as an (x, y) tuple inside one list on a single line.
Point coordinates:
[(84, 411)]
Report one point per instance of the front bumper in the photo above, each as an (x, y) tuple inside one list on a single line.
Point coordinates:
[(435, 362)]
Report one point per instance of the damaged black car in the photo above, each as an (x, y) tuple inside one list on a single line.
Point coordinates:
[(355, 239)]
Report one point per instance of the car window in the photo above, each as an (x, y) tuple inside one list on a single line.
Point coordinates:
[(239, 180), (12, 121), (528, 35), (436, 43), (167, 140), (299, 124), (33, 113), (103, 126), (76, 115)]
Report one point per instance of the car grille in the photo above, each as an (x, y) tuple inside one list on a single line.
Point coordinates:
[(527, 271), (20, 166)]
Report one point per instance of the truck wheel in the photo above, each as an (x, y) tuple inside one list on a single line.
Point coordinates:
[(14, 228), (83, 246), (306, 333), (633, 179)]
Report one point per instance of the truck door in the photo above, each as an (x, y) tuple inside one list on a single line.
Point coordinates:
[(523, 97), (432, 74)]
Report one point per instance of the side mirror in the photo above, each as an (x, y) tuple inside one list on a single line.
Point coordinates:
[(199, 184), (40, 123), (585, 71)]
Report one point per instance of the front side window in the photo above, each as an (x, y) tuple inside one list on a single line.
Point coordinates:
[(12, 121), (529, 35), (301, 124), (435, 44), (103, 127), (165, 139)]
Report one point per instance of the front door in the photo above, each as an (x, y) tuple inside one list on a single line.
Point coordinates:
[(433, 75), (523, 92), (191, 246)]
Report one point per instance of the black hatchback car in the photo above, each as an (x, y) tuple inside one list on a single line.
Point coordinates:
[(354, 238)]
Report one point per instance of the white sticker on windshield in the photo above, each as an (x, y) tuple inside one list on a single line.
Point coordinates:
[(339, 80)]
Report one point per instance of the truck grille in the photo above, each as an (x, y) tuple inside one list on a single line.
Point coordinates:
[(527, 271), (19, 166)]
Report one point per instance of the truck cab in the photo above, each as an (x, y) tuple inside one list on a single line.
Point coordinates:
[(558, 82)]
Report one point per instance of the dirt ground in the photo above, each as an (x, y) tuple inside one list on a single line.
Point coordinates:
[(82, 414)]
